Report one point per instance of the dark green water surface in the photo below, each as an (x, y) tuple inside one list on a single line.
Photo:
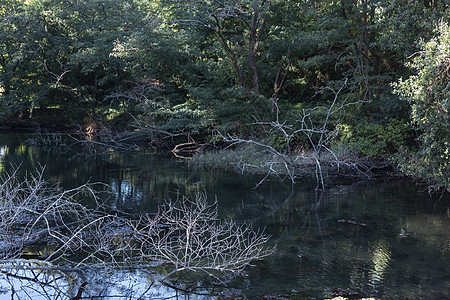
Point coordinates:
[(387, 240)]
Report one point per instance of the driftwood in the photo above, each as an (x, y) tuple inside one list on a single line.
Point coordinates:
[(344, 221), (190, 148)]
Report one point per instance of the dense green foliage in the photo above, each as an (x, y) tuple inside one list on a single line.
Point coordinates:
[(195, 66), (428, 92)]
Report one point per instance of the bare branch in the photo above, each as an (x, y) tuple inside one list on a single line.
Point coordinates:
[(314, 124), (188, 235)]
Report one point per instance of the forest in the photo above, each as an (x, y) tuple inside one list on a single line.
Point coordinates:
[(296, 77)]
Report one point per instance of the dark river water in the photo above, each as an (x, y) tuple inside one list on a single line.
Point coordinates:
[(387, 240)]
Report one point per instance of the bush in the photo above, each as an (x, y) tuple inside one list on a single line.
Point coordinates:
[(428, 92), (375, 139)]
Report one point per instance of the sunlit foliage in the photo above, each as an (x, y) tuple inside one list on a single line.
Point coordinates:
[(428, 92)]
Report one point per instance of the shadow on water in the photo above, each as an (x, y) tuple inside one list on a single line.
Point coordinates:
[(373, 239)]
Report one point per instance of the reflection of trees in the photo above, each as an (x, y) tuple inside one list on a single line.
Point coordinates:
[(314, 249), (139, 181), (126, 193), (33, 280), (3, 151), (433, 230), (24, 279), (349, 237)]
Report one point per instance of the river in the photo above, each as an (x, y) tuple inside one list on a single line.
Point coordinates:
[(382, 239)]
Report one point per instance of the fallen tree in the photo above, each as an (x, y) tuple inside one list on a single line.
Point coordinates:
[(318, 126)]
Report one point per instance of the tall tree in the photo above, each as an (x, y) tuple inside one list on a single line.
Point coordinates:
[(239, 27)]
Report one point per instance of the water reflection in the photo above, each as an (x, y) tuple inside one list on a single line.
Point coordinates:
[(44, 284), (36, 284), (3, 152), (125, 193), (349, 238), (350, 242), (381, 256)]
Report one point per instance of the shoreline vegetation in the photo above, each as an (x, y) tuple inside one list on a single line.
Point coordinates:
[(328, 160), (339, 165), (335, 163), (339, 160)]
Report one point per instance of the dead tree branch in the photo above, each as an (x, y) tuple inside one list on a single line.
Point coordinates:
[(315, 124), (188, 235)]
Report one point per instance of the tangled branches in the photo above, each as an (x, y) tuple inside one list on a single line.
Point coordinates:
[(188, 235), (44, 229), (31, 210), (319, 126)]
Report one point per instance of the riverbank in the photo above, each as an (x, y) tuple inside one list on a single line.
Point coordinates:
[(338, 165)]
